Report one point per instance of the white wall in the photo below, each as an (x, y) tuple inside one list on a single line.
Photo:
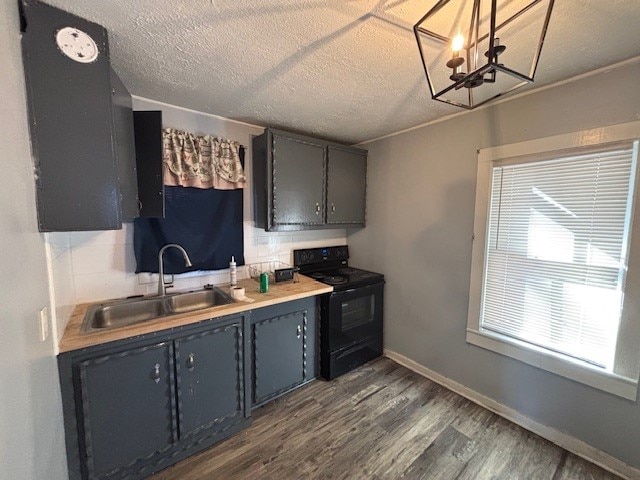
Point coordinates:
[(31, 428), (419, 234), (91, 266)]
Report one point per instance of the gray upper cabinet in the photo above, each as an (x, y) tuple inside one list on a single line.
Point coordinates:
[(303, 183), (71, 123), (298, 181), (210, 373), (346, 185), (87, 173), (127, 408)]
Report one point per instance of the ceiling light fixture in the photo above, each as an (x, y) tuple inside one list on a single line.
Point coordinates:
[(463, 46)]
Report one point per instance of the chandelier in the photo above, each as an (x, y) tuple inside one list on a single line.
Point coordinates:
[(474, 51)]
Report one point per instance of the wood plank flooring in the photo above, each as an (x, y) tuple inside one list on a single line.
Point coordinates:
[(382, 422)]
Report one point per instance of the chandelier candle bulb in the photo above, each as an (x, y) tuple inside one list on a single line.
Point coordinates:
[(456, 61), (457, 43), (484, 77)]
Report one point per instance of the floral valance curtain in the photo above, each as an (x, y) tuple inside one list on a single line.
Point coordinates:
[(201, 161)]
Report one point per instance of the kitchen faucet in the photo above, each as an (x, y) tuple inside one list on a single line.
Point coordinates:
[(162, 287)]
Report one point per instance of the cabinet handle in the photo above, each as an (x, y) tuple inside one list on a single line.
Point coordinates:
[(333, 208), (156, 373), (317, 209), (298, 331), (191, 362)]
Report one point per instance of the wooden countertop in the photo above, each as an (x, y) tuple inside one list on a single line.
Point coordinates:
[(73, 339)]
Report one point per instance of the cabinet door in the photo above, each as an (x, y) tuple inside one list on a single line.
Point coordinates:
[(71, 125), (125, 148), (128, 408), (298, 181), (148, 141), (210, 374), (346, 186), (279, 349)]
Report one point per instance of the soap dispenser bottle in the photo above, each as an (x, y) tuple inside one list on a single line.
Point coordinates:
[(233, 272)]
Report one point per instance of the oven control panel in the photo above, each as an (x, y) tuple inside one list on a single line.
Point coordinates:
[(309, 256)]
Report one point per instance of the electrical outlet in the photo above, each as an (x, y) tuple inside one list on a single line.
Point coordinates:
[(43, 320)]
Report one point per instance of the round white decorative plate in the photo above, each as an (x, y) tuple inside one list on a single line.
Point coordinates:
[(77, 45)]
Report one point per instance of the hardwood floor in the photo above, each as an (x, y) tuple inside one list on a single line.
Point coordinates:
[(381, 422)]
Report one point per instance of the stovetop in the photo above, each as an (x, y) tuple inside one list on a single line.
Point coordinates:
[(347, 277), (329, 265)]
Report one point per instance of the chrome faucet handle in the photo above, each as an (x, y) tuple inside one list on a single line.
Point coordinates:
[(162, 285)]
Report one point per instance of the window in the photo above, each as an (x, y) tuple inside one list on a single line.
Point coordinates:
[(548, 283)]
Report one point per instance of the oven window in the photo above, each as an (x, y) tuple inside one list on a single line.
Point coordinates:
[(357, 312)]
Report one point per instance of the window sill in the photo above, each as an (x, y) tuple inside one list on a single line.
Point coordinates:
[(560, 365)]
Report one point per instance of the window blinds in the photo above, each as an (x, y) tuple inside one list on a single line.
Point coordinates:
[(556, 252)]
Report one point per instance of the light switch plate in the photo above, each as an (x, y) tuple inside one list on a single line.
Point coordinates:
[(43, 320)]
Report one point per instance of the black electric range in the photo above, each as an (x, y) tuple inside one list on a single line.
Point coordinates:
[(344, 278), (350, 316), (329, 265)]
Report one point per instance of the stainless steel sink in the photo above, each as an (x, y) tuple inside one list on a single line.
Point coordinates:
[(188, 302), (111, 315), (121, 313)]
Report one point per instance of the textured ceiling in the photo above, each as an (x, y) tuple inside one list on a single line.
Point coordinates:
[(347, 70)]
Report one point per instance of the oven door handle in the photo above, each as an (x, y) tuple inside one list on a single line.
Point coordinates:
[(343, 292), (362, 289)]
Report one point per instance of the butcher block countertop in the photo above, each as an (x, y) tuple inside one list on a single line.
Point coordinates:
[(74, 339)]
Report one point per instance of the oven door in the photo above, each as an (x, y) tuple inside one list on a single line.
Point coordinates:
[(354, 316)]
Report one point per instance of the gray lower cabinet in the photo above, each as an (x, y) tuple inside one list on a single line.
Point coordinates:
[(210, 373), (128, 407), (284, 345), (136, 406)]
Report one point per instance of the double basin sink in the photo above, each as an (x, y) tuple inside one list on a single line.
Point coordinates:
[(120, 313)]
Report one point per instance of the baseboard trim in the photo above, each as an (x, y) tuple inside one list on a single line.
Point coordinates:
[(561, 439)]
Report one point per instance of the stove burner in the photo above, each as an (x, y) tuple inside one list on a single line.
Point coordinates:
[(355, 272), (347, 271), (334, 280), (332, 269), (365, 274)]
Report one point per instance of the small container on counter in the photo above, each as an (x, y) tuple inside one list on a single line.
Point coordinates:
[(264, 282), (233, 272)]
